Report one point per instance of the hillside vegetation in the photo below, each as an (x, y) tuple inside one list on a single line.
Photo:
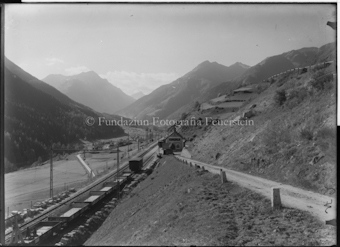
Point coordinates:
[(38, 116), (293, 136), (178, 205)]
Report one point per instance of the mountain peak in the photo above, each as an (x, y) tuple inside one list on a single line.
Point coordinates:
[(206, 64), (105, 97), (90, 74), (239, 64)]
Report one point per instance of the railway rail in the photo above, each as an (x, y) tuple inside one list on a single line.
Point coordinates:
[(51, 212)]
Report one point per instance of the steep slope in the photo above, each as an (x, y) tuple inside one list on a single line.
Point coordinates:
[(34, 120), (38, 84), (289, 139), (90, 89), (312, 55), (326, 53), (178, 205), (169, 98), (302, 57), (288, 60), (266, 68)]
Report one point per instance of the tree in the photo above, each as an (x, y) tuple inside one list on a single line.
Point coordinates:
[(280, 97)]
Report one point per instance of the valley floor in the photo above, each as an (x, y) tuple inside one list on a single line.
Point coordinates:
[(178, 205), (25, 187)]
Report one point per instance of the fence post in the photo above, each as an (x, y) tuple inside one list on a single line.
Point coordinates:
[(223, 176), (276, 199)]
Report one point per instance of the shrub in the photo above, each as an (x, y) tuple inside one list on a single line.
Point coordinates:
[(295, 97), (280, 97), (320, 80), (277, 135), (306, 133)]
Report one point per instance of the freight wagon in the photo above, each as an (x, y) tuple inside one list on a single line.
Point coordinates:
[(136, 164)]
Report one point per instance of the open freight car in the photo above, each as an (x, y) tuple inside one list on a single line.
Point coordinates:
[(77, 208), (41, 232)]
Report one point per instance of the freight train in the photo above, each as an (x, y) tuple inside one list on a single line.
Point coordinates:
[(136, 164), (46, 229)]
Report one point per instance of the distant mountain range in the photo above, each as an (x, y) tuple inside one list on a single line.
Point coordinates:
[(37, 115), (208, 79), (169, 98), (90, 89), (288, 60), (137, 95)]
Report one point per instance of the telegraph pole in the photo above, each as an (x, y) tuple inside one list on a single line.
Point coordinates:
[(118, 187), (51, 173), (128, 143)]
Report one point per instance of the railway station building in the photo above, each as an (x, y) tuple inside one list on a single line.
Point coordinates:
[(174, 141)]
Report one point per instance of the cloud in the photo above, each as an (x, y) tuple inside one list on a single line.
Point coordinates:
[(52, 61), (131, 82), (76, 70)]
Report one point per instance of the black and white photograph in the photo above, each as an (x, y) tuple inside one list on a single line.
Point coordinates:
[(168, 124)]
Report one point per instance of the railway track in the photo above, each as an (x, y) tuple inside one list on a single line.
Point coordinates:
[(147, 155)]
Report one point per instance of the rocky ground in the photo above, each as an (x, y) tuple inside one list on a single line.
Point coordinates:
[(294, 143), (178, 205)]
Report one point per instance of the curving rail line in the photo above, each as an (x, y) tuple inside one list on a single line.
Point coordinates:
[(303, 69), (81, 192)]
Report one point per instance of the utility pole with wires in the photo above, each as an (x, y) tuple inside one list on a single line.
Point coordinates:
[(51, 173), (118, 186), (128, 145)]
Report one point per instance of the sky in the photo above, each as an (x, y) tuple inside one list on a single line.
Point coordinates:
[(139, 47)]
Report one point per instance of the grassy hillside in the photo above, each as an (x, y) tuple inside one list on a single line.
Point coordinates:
[(292, 140), (178, 205)]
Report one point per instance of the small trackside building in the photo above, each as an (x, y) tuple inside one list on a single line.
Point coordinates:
[(175, 141)]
